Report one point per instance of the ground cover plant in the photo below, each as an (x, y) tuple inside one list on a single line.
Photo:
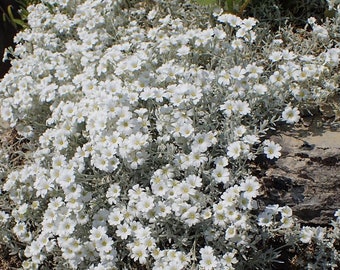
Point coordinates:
[(138, 121)]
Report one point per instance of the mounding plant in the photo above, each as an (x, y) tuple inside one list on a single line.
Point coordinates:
[(137, 125)]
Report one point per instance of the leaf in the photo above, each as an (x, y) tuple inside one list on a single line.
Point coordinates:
[(9, 11), (14, 20), (20, 22)]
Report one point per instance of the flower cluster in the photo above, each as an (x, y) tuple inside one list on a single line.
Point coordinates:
[(320, 243), (142, 124)]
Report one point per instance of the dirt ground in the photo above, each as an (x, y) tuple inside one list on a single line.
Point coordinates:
[(7, 261)]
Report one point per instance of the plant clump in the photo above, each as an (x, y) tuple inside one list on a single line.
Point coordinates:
[(141, 121)]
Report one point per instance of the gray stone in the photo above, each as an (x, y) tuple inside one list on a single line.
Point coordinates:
[(307, 175)]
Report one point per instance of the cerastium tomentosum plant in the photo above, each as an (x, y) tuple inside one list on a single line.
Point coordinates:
[(142, 123)]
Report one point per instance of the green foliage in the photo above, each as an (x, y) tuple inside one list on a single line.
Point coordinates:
[(10, 17), (20, 21)]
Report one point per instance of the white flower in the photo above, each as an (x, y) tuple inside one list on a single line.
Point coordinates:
[(250, 187), (320, 32), (277, 79), (19, 229), (241, 107), (221, 161), (194, 180), (201, 142), (224, 78), (239, 131), (228, 107), (286, 211), (306, 234), (237, 72), (115, 217), (230, 232), (104, 244), (66, 178), (55, 203), (152, 14), (248, 23), (43, 185), (97, 233), (138, 140), (265, 219), (196, 158), (184, 50), (139, 253), (184, 190), (3, 217), (208, 260), (260, 89), (311, 20), (221, 174), (254, 70), (251, 139), (136, 158), (231, 19), (60, 142), (300, 93), (191, 216), (229, 259), (231, 213), (159, 189), (291, 115), (145, 203), (337, 215), (241, 32), (275, 56), (237, 43), (143, 233), (134, 63), (286, 222), (186, 130), (66, 227), (162, 209), (272, 209), (113, 193), (288, 55), (149, 243), (234, 150), (272, 149), (123, 231)]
